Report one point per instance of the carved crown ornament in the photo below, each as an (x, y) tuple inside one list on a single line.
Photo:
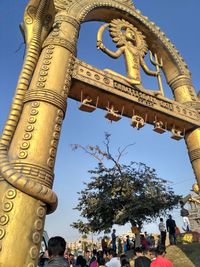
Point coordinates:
[(62, 4), (87, 10)]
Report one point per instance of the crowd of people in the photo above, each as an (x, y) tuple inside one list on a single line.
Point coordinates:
[(147, 254), (171, 227), (119, 252)]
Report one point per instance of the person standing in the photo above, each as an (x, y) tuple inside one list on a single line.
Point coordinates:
[(113, 240), (160, 259), (163, 233), (56, 250), (104, 244), (184, 214), (113, 260), (100, 258), (152, 254), (80, 261), (144, 243), (171, 228), (93, 260), (119, 246), (128, 243), (141, 260), (124, 260), (87, 256), (71, 260)]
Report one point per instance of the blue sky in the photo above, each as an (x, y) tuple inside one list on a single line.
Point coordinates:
[(180, 20)]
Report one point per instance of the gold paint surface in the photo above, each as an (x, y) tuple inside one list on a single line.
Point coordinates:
[(50, 74)]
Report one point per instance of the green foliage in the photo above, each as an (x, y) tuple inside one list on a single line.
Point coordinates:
[(121, 194)]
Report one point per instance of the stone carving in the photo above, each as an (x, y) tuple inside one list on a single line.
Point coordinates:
[(194, 212), (129, 42)]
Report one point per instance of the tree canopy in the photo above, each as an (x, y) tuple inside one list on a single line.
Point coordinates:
[(121, 193)]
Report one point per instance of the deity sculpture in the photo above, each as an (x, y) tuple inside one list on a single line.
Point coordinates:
[(195, 199), (131, 43)]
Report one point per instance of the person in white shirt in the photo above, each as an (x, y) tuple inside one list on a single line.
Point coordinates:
[(113, 260), (162, 230), (184, 214)]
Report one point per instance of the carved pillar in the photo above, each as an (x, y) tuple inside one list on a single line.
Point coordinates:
[(27, 196), (185, 93)]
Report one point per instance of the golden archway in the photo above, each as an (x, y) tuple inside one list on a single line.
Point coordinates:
[(28, 149)]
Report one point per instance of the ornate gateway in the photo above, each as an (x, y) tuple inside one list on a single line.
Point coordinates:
[(28, 148)]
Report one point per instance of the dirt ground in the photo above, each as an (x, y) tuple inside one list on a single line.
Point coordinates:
[(184, 255)]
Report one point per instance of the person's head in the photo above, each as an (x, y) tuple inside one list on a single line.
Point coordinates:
[(105, 255), (81, 261), (94, 252), (161, 219), (125, 263), (71, 256), (123, 256), (87, 253), (111, 253), (124, 260), (161, 250), (114, 231), (142, 237), (138, 251), (170, 216), (152, 253), (56, 246), (100, 258)]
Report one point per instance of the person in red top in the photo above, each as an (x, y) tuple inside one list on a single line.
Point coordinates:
[(144, 243), (160, 260)]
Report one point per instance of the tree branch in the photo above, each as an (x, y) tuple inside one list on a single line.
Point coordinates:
[(92, 151)]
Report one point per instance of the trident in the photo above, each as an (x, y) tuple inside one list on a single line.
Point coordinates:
[(158, 65)]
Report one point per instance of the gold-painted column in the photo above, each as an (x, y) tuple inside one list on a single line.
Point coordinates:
[(185, 93), (26, 193)]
